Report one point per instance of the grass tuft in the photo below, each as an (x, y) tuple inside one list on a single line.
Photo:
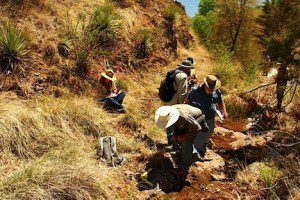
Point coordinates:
[(69, 172), (171, 13), (144, 43), (106, 24)]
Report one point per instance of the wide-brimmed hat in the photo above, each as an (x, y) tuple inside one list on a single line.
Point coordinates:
[(187, 64), (191, 60), (212, 82), (109, 74), (166, 116)]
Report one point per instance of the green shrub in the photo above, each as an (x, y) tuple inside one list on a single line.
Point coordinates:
[(236, 108), (82, 61), (203, 25), (106, 24), (270, 175), (225, 69), (14, 47), (171, 13), (144, 43)]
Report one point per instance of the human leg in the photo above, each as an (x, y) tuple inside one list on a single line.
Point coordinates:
[(186, 154), (120, 97), (280, 94), (202, 138)]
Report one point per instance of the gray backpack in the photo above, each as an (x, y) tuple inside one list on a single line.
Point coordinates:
[(108, 151)]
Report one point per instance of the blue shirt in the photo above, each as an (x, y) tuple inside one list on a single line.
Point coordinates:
[(206, 102)]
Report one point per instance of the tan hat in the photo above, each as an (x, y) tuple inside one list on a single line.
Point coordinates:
[(109, 74), (166, 116), (187, 64), (212, 82)]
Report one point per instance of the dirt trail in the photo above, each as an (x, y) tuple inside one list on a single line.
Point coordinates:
[(214, 178)]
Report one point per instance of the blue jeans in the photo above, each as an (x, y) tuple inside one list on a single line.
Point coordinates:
[(194, 145), (201, 139), (115, 103), (187, 154)]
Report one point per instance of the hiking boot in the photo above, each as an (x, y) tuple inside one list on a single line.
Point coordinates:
[(197, 157)]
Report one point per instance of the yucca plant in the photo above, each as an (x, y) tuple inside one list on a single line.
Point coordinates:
[(144, 43), (14, 47), (106, 24)]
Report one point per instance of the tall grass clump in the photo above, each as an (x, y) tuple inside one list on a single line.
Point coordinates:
[(226, 69), (270, 175), (82, 61), (70, 172), (106, 24), (171, 13), (14, 47), (32, 128), (144, 43)]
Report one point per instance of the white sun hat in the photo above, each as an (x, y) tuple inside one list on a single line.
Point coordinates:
[(166, 116)]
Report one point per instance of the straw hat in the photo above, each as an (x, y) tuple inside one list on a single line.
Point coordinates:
[(166, 116), (191, 60), (212, 82), (109, 74), (187, 64)]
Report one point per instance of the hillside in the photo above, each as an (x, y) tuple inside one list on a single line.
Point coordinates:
[(51, 120)]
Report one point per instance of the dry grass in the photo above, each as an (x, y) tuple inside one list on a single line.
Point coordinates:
[(69, 172), (50, 151)]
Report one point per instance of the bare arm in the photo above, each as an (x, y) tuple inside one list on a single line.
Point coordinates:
[(222, 107)]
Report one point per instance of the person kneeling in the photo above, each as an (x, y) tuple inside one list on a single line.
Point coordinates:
[(110, 95), (187, 123)]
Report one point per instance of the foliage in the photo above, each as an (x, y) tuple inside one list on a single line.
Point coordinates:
[(171, 13), (281, 20), (203, 25), (66, 173), (14, 47), (225, 68), (82, 61), (270, 174), (236, 108), (232, 26), (144, 43), (105, 24), (206, 6)]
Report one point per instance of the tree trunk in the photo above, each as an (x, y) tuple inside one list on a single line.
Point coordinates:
[(239, 24)]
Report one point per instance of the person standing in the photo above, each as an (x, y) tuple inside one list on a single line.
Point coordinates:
[(206, 97), (192, 78), (281, 80), (173, 89)]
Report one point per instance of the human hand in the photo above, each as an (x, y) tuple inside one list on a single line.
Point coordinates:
[(225, 115), (179, 138)]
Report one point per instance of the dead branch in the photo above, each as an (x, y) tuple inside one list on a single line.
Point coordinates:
[(260, 87)]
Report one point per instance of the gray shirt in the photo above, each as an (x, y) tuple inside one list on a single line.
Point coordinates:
[(187, 122)]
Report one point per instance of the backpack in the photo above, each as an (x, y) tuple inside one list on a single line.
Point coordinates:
[(108, 151), (166, 90)]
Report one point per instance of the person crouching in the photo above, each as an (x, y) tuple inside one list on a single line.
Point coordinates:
[(187, 123)]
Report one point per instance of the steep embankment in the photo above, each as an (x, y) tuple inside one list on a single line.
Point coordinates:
[(49, 142), (48, 145)]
